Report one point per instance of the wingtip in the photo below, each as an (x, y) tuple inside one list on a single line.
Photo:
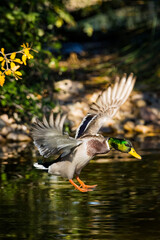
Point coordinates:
[(131, 74), (125, 75), (117, 79)]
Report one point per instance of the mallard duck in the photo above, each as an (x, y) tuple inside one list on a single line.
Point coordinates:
[(76, 152)]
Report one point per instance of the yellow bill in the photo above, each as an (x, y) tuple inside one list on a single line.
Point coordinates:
[(133, 153)]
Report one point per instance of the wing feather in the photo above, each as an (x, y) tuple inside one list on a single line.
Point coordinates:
[(121, 87), (108, 104), (114, 91), (49, 138), (62, 122), (108, 96), (45, 122), (57, 120), (51, 120)]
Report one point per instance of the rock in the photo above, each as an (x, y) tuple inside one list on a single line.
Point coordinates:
[(140, 103), (127, 107), (23, 137), (16, 126), (12, 136), (12, 149), (20, 137), (6, 119), (16, 117), (69, 86), (129, 126), (2, 123), (5, 130), (24, 128), (73, 59), (67, 89), (76, 112), (137, 96), (144, 129), (2, 139), (150, 114)]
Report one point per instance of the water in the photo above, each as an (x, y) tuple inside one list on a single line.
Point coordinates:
[(125, 204)]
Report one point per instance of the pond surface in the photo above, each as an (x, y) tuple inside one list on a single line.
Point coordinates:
[(125, 204)]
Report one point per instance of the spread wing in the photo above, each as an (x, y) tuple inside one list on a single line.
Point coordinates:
[(106, 105), (49, 138)]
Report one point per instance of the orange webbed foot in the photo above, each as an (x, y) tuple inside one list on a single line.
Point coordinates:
[(89, 186), (81, 189), (83, 185)]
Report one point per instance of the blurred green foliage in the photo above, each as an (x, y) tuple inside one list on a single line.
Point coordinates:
[(31, 21), (35, 22)]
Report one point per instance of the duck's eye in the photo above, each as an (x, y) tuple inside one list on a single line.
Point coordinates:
[(127, 145)]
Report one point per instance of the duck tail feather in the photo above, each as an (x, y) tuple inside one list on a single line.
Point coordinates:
[(40, 166)]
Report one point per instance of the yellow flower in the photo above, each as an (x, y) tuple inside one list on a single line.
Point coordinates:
[(1, 59), (25, 45), (26, 54), (2, 65), (2, 79), (12, 65), (2, 50), (14, 69), (24, 59), (13, 55), (26, 51), (8, 72), (17, 75), (18, 60)]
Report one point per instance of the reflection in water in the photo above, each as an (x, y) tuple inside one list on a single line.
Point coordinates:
[(125, 204)]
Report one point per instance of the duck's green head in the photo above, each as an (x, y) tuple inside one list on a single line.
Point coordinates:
[(123, 145)]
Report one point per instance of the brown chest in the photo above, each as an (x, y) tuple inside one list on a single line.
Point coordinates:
[(95, 146)]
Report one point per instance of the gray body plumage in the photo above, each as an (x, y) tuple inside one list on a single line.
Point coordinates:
[(76, 152), (73, 163)]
